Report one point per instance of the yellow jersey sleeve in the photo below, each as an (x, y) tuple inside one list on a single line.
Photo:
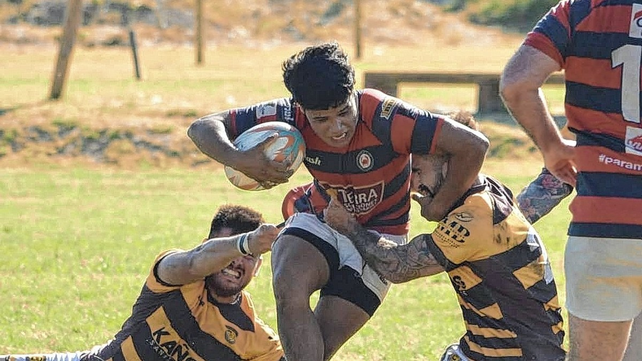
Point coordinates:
[(462, 235), (153, 282)]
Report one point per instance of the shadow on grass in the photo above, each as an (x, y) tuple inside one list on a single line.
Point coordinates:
[(9, 109)]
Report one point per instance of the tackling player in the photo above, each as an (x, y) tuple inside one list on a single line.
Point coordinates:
[(192, 305), (495, 259)]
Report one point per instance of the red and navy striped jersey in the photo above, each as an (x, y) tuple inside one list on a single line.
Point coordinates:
[(184, 323), (499, 268), (598, 43), (371, 176)]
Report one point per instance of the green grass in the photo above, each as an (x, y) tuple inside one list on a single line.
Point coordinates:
[(78, 243)]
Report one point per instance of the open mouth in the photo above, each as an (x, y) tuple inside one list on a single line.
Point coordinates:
[(231, 273), (340, 137)]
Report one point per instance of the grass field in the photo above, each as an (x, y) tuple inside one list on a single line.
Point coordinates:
[(77, 244), (78, 240)]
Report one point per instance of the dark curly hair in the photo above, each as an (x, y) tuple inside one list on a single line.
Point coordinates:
[(240, 219), (319, 77)]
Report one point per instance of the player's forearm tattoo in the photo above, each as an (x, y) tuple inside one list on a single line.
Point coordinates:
[(396, 263), (542, 195)]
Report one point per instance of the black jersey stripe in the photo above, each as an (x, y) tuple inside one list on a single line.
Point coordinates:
[(233, 313), (397, 182), (347, 163), (601, 99), (590, 44), (620, 185), (145, 346), (185, 324), (599, 140), (519, 256), (605, 230), (419, 144), (118, 356), (463, 344)]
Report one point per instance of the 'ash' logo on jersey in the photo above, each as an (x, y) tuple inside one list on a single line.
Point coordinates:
[(359, 200), (365, 161), (230, 334), (313, 161)]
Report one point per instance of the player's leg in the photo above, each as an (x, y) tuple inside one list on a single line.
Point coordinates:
[(339, 320), (350, 298), (603, 295), (634, 349), (595, 340), (299, 269)]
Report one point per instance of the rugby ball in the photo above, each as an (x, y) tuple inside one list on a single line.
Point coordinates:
[(288, 146)]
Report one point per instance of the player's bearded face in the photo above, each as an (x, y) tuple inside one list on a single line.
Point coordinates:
[(428, 173), (233, 278), (336, 125)]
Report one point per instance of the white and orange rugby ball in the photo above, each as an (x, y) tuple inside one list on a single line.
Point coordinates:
[(288, 146)]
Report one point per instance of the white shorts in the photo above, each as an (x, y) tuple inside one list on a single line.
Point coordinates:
[(347, 267), (603, 278)]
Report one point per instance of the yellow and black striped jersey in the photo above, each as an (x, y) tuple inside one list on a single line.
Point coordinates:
[(184, 323), (499, 268)]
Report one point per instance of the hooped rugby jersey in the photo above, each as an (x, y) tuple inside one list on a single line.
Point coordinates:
[(184, 323), (499, 268), (598, 43), (372, 174)]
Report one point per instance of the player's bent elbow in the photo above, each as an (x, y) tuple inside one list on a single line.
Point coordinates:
[(514, 90), (195, 129)]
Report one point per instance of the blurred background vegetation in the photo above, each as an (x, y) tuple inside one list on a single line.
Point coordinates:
[(250, 20)]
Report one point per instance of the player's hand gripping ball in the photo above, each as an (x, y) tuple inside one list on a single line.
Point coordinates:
[(287, 147)]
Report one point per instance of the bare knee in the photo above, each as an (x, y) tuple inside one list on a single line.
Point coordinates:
[(593, 340), (298, 269)]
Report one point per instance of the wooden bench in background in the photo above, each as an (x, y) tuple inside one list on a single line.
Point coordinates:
[(488, 100)]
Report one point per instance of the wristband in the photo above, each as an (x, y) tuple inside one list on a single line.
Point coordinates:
[(241, 244)]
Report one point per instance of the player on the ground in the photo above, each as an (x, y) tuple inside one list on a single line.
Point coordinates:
[(192, 305)]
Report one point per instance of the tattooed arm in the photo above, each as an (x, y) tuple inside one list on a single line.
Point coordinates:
[(541, 195), (396, 263)]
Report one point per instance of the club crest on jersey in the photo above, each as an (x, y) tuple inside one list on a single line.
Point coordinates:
[(230, 334), (635, 27), (633, 142), (365, 161)]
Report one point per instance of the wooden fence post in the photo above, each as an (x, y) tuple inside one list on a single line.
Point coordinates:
[(73, 15), (357, 28), (199, 32)]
